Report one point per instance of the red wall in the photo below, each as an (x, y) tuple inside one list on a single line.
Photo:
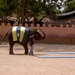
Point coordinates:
[(55, 35)]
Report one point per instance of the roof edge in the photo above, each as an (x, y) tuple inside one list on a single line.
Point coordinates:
[(65, 14)]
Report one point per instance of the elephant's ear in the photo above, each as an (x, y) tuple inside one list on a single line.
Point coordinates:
[(38, 35)]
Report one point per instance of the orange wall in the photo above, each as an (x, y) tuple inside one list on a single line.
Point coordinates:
[(58, 35)]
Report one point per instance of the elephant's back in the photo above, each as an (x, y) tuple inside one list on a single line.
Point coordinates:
[(20, 33)]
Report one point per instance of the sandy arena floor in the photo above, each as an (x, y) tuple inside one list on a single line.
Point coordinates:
[(20, 64)]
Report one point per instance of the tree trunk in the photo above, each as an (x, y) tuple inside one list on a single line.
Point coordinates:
[(22, 12)]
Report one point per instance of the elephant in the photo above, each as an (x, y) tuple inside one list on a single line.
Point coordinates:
[(38, 35)]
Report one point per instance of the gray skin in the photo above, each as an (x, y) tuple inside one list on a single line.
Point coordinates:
[(37, 36)]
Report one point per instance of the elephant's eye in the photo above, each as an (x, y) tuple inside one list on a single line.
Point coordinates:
[(36, 35)]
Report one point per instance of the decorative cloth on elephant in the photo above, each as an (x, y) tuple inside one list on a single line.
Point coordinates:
[(20, 33)]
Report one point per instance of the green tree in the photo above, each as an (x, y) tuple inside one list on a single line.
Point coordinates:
[(29, 8), (7, 7), (69, 5), (45, 6)]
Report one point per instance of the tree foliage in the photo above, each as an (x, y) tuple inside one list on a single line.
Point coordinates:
[(69, 5), (37, 8), (44, 7), (7, 7)]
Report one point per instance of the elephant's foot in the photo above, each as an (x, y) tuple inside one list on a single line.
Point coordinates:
[(11, 53), (26, 53)]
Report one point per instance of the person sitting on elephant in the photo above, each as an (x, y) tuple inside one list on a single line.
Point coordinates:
[(31, 43)]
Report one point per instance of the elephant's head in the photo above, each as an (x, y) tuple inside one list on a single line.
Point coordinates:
[(38, 34)]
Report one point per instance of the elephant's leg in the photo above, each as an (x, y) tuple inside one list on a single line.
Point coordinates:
[(11, 48), (26, 50)]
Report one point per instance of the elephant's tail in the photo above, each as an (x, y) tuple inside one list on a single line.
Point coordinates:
[(4, 38)]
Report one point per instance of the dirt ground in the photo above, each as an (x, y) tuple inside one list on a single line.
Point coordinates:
[(20, 64)]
